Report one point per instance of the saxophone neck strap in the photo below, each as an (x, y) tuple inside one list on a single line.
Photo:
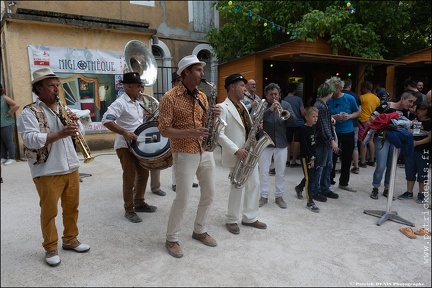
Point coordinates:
[(195, 97), (201, 104)]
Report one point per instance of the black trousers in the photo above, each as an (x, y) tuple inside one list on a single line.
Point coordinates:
[(346, 148)]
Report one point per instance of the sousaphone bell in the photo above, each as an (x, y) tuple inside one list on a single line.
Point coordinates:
[(139, 59)]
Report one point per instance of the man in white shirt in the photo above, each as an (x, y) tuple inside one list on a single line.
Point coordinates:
[(53, 163), (123, 117)]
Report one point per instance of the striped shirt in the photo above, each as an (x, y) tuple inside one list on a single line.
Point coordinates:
[(181, 111)]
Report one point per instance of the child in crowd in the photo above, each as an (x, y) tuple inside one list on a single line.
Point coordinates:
[(308, 153), (418, 165), (325, 147)]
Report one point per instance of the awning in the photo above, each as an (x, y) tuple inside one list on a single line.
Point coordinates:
[(418, 64), (336, 59)]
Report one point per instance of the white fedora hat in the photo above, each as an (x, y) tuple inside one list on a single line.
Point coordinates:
[(188, 61), (41, 74)]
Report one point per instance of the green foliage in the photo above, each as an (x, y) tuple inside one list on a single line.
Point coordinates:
[(378, 29), (336, 26)]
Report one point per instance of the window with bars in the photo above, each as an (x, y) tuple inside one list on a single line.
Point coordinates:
[(163, 81)]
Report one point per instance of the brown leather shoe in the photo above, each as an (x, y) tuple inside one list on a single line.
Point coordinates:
[(233, 228), (205, 238), (174, 249), (256, 224)]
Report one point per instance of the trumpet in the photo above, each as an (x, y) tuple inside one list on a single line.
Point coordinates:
[(283, 114)]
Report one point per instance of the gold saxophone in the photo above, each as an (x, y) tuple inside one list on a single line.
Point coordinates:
[(209, 143), (243, 168), (79, 138)]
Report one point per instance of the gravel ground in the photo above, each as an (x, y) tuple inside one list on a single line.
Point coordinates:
[(340, 246)]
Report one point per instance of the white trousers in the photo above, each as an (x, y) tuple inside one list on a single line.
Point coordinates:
[(279, 159), (186, 166), (250, 193), (173, 179)]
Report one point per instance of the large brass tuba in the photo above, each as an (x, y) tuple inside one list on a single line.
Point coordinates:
[(151, 148), (243, 169), (139, 59)]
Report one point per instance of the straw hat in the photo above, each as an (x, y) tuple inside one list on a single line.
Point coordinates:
[(42, 74)]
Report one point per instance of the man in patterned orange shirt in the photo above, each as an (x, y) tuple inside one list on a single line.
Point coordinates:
[(182, 114)]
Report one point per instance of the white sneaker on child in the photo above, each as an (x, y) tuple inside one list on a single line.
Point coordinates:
[(10, 162)]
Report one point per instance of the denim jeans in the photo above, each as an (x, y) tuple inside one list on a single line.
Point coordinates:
[(417, 167), (323, 168), (7, 142), (384, 157)]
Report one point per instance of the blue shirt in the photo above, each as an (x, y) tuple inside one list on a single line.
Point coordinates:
[(357, 98), (347, 104)]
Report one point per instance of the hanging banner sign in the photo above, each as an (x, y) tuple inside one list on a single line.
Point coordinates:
[(90, 78), (74, 60)]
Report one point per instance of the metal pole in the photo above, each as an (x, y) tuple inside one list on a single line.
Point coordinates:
[(388, 214)]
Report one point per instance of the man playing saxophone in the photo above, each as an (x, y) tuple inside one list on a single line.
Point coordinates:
[(183, 110), (232, 138), (176, 80), (251, 100), (53, 163)]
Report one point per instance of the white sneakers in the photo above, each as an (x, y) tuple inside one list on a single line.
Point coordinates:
[(77, 247), (81, 248), (9, 161), (3, 160), (52, 258), (347, 188)]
